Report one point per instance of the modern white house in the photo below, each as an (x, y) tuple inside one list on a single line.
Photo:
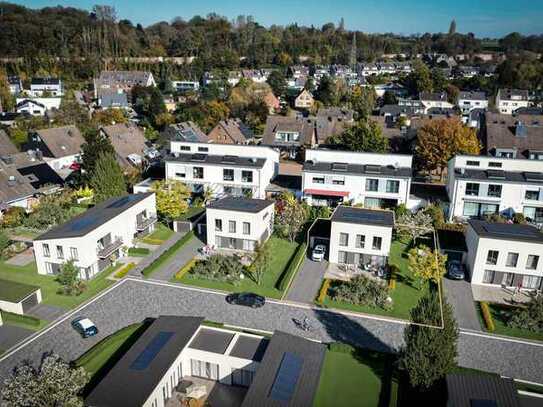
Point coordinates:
[(360, 236), (509, 100), (184, 86), (504, 254), (481, 185), (432, 100), (179, 356), (224, 169), (330, 177), (30, 106), (97, 237), (238, 223), (39, 86), (467, 101)]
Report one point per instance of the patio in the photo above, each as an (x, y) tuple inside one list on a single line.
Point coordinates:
[(345, 272), (212, 393), (498, 295), (243, 256)]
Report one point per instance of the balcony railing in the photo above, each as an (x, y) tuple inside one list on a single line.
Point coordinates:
[(107, 250), (145, 223)]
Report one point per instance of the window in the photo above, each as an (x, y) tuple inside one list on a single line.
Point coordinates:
[(343, 239), (342, 257), (246, 228), (372, 185), (488, 276), (377, 242), (203, 149), (534, 195), (338, 181), (512, 260), (60, 252), (73, 253), (475, 209), (232, 226), (531, 264), (180, 174), (218, 225), (507, 279), (494, 164), (531, 282), (360, 240), (393, 186), (228, 174), (472, 189), (494, 190), (492, 257), (246, 176), (198, 172), (318, 180), (46, 252), (184, 148), (472, 163), (533, 214)]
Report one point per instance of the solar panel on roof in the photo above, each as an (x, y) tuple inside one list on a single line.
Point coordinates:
[(286, 378), (152, 349), (83, 223), (122, 201), (189, 135), (507, 229), (363, 215), (339, 166), (198, 157), (373, 169), (495, 174)]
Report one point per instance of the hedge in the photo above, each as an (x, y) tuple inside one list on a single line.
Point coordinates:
[(138, 251), (184, 270), (150, 240), (487, 316), (292, 268), (124, 271), (20, 319), (323, 290)]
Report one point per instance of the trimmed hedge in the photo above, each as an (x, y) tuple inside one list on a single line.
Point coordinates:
[(185, 269), (167, 254), (323, 292), (150, 240), (292, 268), (124, 271), (29, 320), (138, 251), (487, 316)]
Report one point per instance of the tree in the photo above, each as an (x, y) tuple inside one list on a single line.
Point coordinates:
[(4, 241), (7, 101), (414, 224), (18, 135), (171, 198), (95, 145), (68, 278), (362, 101), (419, 80), (262, 257), (291, 215), (54, 384), (426, 265), (452, 27), (439, 82), (363, 136), (529, 316), (439, 140), (277, 82), (430, 352), (452, 93), (107, 178), (326, 91), (108, 117), (389, 98)]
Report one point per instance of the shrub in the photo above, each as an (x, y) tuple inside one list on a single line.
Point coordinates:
[(436, 212), (361, 290), (124, 271), (519, 218), (138, 251), (487, 316), (20, 319), (292, 268), (530, 316), (219, 268), (13, 217), (323, 292), (189, 265), (455, 227)]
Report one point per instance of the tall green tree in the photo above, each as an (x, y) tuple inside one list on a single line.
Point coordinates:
[(326, 91), (419, 80), (277, 82), (107, 178), (68, 278), (362, 101), (363, 136), (95, 145)]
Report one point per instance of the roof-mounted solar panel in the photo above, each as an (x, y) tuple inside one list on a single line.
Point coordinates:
[(152, 349), (373, 169), (339, 166), (198, 157), (495, 174), (286, 377)]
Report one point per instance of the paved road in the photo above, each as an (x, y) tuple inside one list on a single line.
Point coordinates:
[(132, 300), (46, 312), (11, 335), (460, 297), (187, 252), (306, 285)]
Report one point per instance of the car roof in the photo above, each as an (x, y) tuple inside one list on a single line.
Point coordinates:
[(85, 323)]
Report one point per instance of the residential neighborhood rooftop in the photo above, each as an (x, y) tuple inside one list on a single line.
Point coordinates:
[(363, 216), (241, 204), (479, 390), (506, 231), (62, 141), (222, 160)]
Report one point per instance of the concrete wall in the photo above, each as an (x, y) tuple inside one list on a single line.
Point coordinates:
[(17, 307)]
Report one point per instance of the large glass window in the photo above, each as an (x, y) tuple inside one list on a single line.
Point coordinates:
[(198, 172), (342, 257), (476, 209), (494, 191), (488, 276), (377, 242), (533, 214), (246, 228), (492, 257), (60, 252), (73, 253), (246, 176), (372, 203), (512, 260), (532, 262), (507, 279), (228, 174), (360, 240), (532, 195), (531, 282), (393, 186), (46, 252), (372, 185), (218, 225), (472, 189), (343, 239), (232, 226)]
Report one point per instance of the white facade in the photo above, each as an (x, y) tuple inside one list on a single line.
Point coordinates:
[(31, 107), (468, 104), (508, 103), (17, 307), (92, 252), (374, 180), (440, 104), (503, 262), (55, 89), (511, 186), (47, 103), (235, 230), (250, 174), (182, 86)]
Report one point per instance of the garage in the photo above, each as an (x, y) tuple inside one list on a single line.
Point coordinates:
[(319, 234), (18, 298), (29, 302)]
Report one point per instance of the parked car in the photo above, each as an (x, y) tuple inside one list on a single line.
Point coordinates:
[(246, 299), (318, 252), (84, 326), (456, 270)]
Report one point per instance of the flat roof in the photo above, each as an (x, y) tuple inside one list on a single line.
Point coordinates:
[(523, 177), (289, 373), (94, 217), (357, 169), (211, 340), (249, 347), (480, 390), (506, 231), (363, 216), (12, 291), (133, 378), (222, 160), (241, 204)]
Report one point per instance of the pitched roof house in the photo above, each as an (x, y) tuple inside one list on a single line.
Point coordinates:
[(7, 147), (289, 133), (304, 100), (231, 131), (128, 141), (59, 146)]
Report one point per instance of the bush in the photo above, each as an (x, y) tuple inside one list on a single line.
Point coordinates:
[(124, 271), (13, 217), (323, 292), (218, 268), (292, 268), (455, 227), (190, 264), (487, 316), (530, 316), (20, 319), (519, 218), (138, 251), (361, 290), (436, 212)]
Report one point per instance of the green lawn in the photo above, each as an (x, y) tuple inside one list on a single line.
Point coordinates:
[(23, 232), (358, 378), (404, 297), (23, 321), (138, 251), (161, 233), (282, 253), (499, 315), (28, 275)]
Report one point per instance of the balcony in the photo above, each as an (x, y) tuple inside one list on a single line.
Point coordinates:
[(143, 224), (108, 249)]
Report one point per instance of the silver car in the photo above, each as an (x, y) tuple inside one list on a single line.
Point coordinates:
[(318, 252)]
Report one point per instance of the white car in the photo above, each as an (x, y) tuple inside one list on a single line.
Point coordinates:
[(318, 252), (85, 327)]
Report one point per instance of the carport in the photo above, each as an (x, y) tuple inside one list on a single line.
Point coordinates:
[(453, 244), (319, 233), (18, 298)]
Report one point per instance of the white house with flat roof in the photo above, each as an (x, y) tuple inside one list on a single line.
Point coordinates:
[(467, 101), (226, 169), (504, 254), (360, 236), (481, 185), (238, 223), (95, 239), (375, 180), (509, 100)]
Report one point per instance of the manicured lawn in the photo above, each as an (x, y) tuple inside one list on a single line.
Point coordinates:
[(28, 275), (404, 297), (349, 379), (499, 315), (138, 251), (161, 233), (282, 253)]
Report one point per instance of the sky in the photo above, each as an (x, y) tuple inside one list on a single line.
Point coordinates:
[(485, 18)]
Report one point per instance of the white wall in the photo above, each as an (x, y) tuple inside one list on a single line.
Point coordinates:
[(62, 162), (49, 103), (369, 231), (467, 105), (338, 156), (17, 307)]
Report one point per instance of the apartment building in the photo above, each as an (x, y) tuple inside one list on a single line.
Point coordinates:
[(360, 236), (467, 101), (509, 100), (226, 169), (95, 239), (330, 177), (237, 223), (504, 254), (479, 185)]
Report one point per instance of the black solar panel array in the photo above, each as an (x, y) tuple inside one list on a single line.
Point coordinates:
[(286, 378), (145, 358)]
